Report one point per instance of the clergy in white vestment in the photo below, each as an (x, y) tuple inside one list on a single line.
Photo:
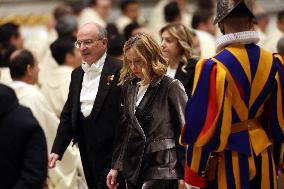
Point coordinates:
[(157, 19), (5, 77), (130, 12), (276, 34), (261, 27), (98, 11), (202, 22), (56, 84), (10, 40), (24, 72)]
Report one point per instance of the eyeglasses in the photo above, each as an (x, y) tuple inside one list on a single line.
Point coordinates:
[(86, 43)]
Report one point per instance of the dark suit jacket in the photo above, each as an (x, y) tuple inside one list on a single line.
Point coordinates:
[(148, 146), (105, 112), (23, 159), (186, 75)]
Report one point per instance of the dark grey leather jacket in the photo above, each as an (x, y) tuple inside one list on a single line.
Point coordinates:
[(147, 142)]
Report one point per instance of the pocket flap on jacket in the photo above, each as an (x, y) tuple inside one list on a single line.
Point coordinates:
[(159, 145)]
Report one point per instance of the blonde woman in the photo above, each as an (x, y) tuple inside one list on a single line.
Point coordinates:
[(149, 154), (177, 46)]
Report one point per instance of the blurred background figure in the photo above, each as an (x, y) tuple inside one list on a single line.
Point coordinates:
[(23, 146), (157, 20), (176, 45), (97, 11), (115, 42), (209, 5), (277, 33), (196, 49), (262, 19), (172, 13), (10, 40), (130, 12), (56, 84), (65, 27), (135, 28), (280, 46), (202, 22)]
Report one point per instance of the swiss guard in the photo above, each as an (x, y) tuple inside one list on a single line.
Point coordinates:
[(234, 128)]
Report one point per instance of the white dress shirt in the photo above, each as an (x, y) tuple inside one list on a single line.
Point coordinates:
[(171, 72), (90, 85)]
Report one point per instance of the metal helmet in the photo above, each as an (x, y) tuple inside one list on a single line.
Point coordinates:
[(225, 7)]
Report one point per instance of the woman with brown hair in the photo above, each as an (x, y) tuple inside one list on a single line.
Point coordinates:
[(148, 151), (181, 49)]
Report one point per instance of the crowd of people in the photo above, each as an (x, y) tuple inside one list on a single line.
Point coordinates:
[(166, 102)]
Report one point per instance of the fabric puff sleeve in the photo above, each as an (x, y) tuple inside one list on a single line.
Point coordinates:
[(276, 113), (208, 120)]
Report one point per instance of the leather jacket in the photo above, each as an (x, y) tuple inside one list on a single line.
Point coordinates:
[(147, 142)]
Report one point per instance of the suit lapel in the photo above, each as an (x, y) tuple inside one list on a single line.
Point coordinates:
[(106, 81), (148, 98), (132, 97), (76, 94)]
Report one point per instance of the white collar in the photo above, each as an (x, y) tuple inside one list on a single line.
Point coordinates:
[(245, 37), (94, 67), (18, 84)]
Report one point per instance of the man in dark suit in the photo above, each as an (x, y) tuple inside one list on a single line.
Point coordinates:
[(91, 112), (23, 146)]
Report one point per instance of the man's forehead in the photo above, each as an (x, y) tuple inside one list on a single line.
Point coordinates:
[(87, 30)]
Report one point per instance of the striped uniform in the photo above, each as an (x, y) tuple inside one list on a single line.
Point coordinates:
[(242, 84)]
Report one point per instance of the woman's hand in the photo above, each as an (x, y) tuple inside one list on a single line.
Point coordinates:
[(111, 179), (181, 184)]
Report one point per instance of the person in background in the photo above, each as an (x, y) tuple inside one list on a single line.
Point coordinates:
[(56, 84), (172, 13), (238, 139), (97, 11), (67, 26), (157, 20), (177, 47), (209, 5), (148, 152), (130, 10), (133, 29), (23, 146), (10, 40), (92, 109), (280, 46), (196, 49), (277, 33), (262, 19), (202, 23), (115, 42)]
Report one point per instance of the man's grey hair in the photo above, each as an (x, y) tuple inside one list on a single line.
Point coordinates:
[(102, 32)]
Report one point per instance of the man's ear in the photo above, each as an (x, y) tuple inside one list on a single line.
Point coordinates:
[(105, 41)]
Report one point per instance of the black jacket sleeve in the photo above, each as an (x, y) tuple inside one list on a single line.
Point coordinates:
[(34, 171)]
